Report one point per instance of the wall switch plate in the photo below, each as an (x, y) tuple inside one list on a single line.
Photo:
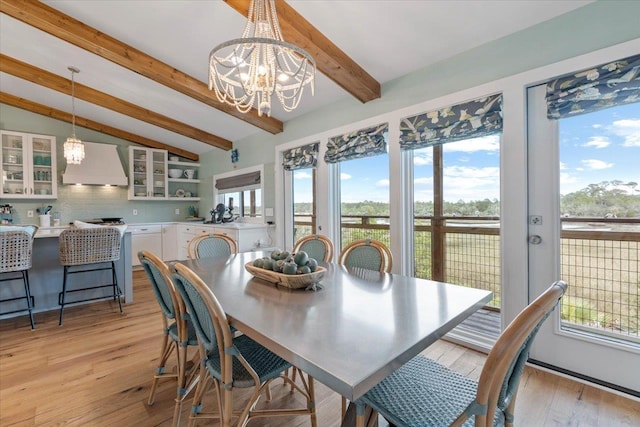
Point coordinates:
[(135, 211), (177, 211), (268, 212), (30, 214)]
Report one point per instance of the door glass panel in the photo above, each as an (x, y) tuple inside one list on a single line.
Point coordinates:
[(600, 206), (364, 199), (304, 207), (457, 227)]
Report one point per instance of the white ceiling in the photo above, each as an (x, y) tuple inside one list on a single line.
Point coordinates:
[(388, 38)]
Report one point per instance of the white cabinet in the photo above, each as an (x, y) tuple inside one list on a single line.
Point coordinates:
[(183, 179), (29, 168), (247, 237), (148, 174), (169, 242), (145, 237)]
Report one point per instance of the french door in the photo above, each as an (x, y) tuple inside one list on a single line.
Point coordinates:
[(591, 347)]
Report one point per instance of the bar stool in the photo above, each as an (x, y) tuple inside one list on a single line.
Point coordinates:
[(17, 248), (82, 250)]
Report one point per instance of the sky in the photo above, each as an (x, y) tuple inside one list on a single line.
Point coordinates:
[(595, 147)]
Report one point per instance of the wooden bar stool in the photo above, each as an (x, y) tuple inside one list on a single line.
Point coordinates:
[(84, 250), (17, 248)]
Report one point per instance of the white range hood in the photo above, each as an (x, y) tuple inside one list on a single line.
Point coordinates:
[(101, 166)]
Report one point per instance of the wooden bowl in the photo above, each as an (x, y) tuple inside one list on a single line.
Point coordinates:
[(293, 281)]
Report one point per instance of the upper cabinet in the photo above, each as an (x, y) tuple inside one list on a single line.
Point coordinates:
[(28, 166), (155, 176), (147, 173)]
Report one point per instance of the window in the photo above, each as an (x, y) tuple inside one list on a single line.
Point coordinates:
[(240, 192)]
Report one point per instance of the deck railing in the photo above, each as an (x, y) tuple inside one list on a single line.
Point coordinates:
[(599, 260)]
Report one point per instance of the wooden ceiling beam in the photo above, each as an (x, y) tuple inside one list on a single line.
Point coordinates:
[(56, 23), (330, 59), (44, 110), (53, 81)]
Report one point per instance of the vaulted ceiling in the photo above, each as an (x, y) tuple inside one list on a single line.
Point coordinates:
[(144, 63)]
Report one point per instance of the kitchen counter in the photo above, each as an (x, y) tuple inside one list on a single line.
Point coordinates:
[(45, 275)]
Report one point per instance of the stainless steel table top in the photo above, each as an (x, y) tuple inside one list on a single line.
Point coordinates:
[(353, 332)]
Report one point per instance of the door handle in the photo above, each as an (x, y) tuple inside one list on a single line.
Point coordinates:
[(534, 239)]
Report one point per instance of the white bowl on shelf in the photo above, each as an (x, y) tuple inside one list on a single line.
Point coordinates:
[(175, 173)]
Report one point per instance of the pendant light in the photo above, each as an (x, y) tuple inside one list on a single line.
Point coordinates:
[(73, 147)]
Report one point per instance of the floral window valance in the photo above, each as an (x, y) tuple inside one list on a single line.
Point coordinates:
[(473, 119), (355, 145), (301, 157), (604, 86)]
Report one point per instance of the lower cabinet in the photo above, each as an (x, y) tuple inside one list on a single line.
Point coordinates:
[(169, 242), (186, 232), (247, 237), (145, 237)]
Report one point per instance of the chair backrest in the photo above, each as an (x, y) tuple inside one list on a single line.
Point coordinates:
[(164, 289), (206, 313), (367, 253), (17, 248), (211, 246), (502, 370), (316, 246), (89, 245)]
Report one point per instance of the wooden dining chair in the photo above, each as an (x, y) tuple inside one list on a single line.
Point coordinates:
[(211, 245), (231, 361), (367, 253), (15, 262), (178, 333), (422, 392), (316, 246)]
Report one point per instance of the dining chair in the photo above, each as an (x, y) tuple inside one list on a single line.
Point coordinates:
[(316, 246), (84, 250), (231, 361), (367, 253), (178, 332), (211, 245), (17, 250), (424, 393)]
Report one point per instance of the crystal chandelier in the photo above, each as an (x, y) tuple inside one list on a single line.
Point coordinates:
[(260, 64), (73, 147)]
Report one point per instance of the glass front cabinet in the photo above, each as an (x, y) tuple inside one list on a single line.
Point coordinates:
[(28, 166), (148, 167)]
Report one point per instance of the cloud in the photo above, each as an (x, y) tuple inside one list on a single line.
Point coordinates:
[(596, 125), (598, 142), (423, 158), (596, 164), (485, 143), (383, 183), (344, 176), (471, 172), (302, 175), (629, 129), (423, 181), (563, 166), (566, 178)]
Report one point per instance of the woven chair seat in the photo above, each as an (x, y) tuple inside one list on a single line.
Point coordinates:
[(266, 364), (79, 246), (191, 333), (424, 393)]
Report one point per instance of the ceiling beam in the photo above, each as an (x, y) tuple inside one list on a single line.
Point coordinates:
[(56, 23), (330, 59), (44, 110), (53, 81)]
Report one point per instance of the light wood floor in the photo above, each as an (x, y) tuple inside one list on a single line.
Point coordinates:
[(95, 370)]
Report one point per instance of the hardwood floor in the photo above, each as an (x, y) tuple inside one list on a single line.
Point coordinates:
[(96, 369)]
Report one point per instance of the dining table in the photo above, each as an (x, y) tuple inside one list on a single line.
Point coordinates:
[(351, 331)]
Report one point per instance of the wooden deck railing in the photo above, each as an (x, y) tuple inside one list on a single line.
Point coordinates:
[(599, 260)]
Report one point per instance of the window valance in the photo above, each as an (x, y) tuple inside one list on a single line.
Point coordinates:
[(604, 86), (472, 119), (238, 181), (301, 157), (355, 145)]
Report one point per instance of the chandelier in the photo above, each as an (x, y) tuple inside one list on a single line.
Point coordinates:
[(258, 65), (73, 147)]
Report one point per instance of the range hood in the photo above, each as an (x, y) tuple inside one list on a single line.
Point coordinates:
[(101, 166)]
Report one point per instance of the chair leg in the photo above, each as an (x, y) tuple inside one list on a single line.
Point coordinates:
[(116, 288), (27, 291), (167, 347), (62, 295)]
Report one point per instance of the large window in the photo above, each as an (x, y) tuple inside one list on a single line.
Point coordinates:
[(304, 202), (240, 193)]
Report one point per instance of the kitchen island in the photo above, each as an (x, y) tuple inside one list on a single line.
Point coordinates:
[(45, 275)]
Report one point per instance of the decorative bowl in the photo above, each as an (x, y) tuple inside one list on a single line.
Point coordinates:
[(175, 173), (294, 281)]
